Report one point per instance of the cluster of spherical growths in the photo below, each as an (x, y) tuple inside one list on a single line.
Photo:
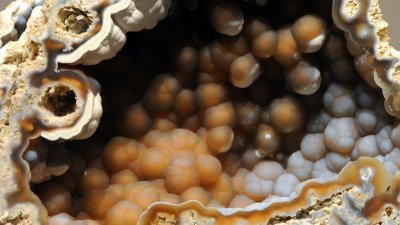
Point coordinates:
[(248, 115)]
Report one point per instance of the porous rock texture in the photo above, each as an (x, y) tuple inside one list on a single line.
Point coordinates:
[(38, 98)]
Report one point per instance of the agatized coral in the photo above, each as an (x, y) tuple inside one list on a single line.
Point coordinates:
[(228, 112)]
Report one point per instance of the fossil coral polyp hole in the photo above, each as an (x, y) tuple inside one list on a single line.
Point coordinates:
[(75, 20), (389, 9), (60, 100)]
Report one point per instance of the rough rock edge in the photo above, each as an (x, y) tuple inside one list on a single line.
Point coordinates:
[(352, 16), (12, 16), (363, 193), (29, 65), (117, 19)]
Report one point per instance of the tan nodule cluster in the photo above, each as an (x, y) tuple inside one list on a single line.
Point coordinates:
[(41, 98), (203, 141), (368, 41), (242, 56)]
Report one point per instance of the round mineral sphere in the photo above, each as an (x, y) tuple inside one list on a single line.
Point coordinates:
[(93, 179), (182, 173), (191, 123), (222, 114), (153, 162), (209, 168), (212, 94), (226, 49), (118, 190), (196, 193), (230, 162), (219, 139), (244, 70), (77, 164), (222, 189), (142, 193), (240, 201), (304, 79), (209, 71), (164, 122), (309, 33), (287, 52), (161, 94), (226, 17), (254, 27), (123, 213), (267, 139), (159, 184), (185, 104), (102, 200), (248, 114), (124, 177), (264, 45), (170, 198), (238, 180), (136, 121), (286, 114), (119, 153), (55, 197), (185, 58)]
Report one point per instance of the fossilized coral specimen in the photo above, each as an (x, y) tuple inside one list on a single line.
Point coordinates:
[(210, 131)]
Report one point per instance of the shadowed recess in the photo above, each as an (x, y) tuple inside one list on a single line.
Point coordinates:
[(60, 100)]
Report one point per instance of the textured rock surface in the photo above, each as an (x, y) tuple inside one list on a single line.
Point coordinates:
[(363, 193), (207, 131)]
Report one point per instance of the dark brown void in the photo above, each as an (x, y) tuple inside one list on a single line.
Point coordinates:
[(60, 100), (75, 20)]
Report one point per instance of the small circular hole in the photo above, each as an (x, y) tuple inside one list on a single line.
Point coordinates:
[(60, 100), (75, 20)]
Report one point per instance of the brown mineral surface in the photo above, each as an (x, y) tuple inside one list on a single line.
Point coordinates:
[(198, 112)]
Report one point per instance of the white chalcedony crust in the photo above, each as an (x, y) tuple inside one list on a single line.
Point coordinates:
[(42, 99), (358, 195), (88, 38), (13, 19), (39, 99), (118, 18), (368, 41), (84, 120)]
